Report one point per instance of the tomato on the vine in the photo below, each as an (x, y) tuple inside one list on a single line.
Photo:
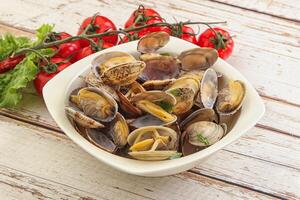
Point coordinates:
[(188, 34), (43, 77), (141, 16), (98, 24), (67, 49), (61, 36), (219, 39)]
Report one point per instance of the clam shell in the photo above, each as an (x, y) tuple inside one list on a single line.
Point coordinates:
[(204, 114), (205, 133), (108, 60), (152, 155), (102, 107), (209, 88), (198, 58), (101, 140), (152, 42), (123, 74), (80, 118), (119, 131)]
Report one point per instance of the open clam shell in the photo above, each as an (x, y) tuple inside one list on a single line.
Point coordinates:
[(205, 133), (108, 60), (204, 114), (152, 42), (157, 103), (127, 107), (123, 74), (184, 91), (80, 118), (152, 143), (101, 140), (157, 84), (97, 104), (198, 58), (209, 88), (119, 131)]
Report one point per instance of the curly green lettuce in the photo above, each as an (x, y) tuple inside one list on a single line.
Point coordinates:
[(13, 81)]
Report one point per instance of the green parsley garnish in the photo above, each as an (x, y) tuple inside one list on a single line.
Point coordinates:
[(176, 92), (167, 106), (202, 139)]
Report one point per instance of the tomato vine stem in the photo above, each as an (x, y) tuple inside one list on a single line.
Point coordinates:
[(109, 32)]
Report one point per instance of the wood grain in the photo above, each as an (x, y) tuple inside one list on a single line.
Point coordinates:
[(266, 47), (49, 165), (286, 9)]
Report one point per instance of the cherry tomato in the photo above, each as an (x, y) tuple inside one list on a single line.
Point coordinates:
[(10, 63), (188, 34), (145, 31), (219, 39), (141, 16), (60, 36), (43, 77), (99, 24), (67, 49)]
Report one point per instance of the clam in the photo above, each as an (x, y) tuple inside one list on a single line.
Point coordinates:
[(198, 58), (157, 84), (205, 133), (184, 90), (97, 104), (229, 102), (152, 143), (152, 42), (204, 114), (119, 131), (135, 88), (101, 140), (93, 81), (231, 97), (159, 67), (156, 103), (208, 89), (127, 107), (80, 118), (117, 68)]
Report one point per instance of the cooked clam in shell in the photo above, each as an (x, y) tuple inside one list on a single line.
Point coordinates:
[(155, 106)]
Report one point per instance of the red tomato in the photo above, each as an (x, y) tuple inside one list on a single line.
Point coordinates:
[(141, 16), (67, 49), (10, 63), (99, 24), (145, 31), (188, 34), (61, 36), (43, 77), (223, 42)]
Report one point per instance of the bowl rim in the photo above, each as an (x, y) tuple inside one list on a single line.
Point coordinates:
[(62, 82)]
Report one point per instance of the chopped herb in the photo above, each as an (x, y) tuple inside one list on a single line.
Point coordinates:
[(176, 92), (165, 54), (202, 139), (175, 156), (167, 106)]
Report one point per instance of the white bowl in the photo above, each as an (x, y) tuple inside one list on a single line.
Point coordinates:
[(56, 97)]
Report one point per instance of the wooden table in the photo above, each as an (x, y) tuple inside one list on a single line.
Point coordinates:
[(37, 161)]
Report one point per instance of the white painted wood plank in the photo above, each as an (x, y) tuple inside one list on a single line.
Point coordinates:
[(288, 9), (266, 47), (28, 152)]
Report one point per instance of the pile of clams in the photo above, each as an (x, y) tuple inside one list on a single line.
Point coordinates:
[(157, 106)]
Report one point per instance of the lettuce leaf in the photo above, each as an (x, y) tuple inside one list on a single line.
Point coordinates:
[(12, 82), (9, 44)]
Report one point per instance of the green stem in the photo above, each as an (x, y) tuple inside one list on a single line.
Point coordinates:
[(112, 32)]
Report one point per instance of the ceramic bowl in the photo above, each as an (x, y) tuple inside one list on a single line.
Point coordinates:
[(56, 93)]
